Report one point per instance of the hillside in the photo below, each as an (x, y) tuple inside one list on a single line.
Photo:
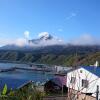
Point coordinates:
[(59, 55)]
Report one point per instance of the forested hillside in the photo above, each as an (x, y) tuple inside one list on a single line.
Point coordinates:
[(68, 56)]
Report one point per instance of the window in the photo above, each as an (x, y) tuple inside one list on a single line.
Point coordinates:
[(85, 83), (72, 80), (81, 71)]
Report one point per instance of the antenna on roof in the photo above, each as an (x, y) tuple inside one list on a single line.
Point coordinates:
[(96, 64), (76, 64)]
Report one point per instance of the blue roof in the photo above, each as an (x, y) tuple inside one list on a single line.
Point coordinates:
[(93, 69), (12, 83)]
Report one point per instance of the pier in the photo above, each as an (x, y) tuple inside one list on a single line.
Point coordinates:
[(33, 69), (25, 68), (7, 70)]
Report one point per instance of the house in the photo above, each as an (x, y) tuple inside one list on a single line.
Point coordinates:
[(84, 80), (56, 85)]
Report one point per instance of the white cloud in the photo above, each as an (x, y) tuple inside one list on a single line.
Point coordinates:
[(20, 42), (60, 29), (24, 40), (26, 34), (5, 41), (49, 43), (71, 15), (43, 34), (86, 39)]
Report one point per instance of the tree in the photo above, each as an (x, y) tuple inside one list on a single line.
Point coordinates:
[(4, 91)]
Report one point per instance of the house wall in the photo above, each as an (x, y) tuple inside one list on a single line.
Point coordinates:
[(80, 74)]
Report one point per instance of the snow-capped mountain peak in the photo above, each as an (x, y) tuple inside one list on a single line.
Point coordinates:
[(45, 39), (45, 36)]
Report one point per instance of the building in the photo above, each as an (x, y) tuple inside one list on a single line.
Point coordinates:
[(13, 84), (84, 80), (61, 69), (56, 85)]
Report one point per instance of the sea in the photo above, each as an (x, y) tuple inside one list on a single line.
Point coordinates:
[(35, 76)]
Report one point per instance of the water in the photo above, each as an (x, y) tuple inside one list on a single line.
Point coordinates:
[(36, 76), (9, 65)]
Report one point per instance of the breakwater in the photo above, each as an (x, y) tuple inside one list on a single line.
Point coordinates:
[(24, 68)]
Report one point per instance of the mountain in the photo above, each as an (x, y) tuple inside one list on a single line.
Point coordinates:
[(44, 39), (56, 55), (50, 50)]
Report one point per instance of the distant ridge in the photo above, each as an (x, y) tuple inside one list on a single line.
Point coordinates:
[(55, 54)]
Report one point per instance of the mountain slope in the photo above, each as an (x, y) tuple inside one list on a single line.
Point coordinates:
[(59, 55), (50, 50)]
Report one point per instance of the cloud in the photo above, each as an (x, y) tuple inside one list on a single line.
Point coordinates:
[(86, 39), (43, 34), (71, 15), (60, 29), (20, 42), (23, 41), (47, 41), (26, 34), (5, 41)]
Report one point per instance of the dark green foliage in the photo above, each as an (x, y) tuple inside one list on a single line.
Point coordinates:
[(28, 92), (90, 59), (27, 58), (9, 56), (59, 55)]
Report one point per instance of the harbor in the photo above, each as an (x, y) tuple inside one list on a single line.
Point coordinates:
[(35, 67), (24, 71)]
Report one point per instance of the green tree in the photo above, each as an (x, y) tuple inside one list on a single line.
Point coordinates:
[(4, 91)]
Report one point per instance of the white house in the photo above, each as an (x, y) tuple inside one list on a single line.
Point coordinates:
[(84, 79)]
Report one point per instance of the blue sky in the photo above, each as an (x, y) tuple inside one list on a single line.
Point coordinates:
[(67, 19)]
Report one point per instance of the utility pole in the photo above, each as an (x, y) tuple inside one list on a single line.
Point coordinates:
[(62, 89), (97, 93)]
